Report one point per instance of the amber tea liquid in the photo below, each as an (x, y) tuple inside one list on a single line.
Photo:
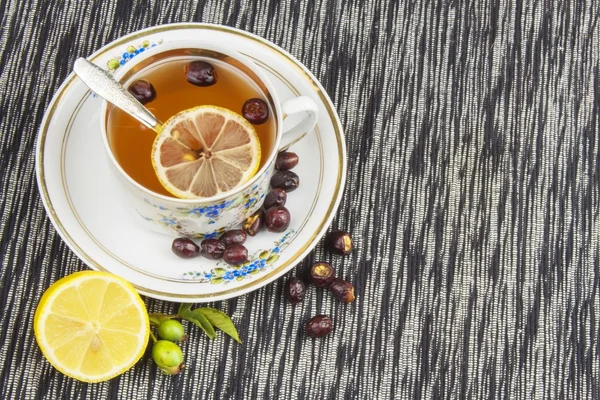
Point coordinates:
[(131, 142)]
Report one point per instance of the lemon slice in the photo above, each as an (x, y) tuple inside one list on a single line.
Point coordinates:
[(91, 326), (205, 151)]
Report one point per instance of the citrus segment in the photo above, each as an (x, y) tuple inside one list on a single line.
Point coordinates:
[(91, 326), (205, 151)]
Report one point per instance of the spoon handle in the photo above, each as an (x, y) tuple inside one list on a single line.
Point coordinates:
[(105, 86)]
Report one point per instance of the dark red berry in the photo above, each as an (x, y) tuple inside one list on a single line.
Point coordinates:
[(185, 248), (286, 160), (235, 236), (254, 223), (256, 111), (276, 197), (340, 242), (143, 91), (235, 254), (318, 326), (201, 73), (322, 274), (286, 180), (212, 249), (295, 290), (342, 290), (277, 219)]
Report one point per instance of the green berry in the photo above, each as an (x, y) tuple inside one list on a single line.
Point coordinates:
[(171, 330), (168, 357)]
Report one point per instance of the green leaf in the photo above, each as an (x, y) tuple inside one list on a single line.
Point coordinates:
[(216, 280), (200, 321), (220, 271), (220, 320), (272, 259), (157, 318), (183, 307)]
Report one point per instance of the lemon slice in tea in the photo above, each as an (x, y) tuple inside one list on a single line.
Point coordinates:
[(205, 151), (91, 325)]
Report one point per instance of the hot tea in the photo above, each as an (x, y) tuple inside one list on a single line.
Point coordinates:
[(174, 88)]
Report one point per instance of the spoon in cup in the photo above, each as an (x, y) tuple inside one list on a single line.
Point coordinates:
[(105, 86)]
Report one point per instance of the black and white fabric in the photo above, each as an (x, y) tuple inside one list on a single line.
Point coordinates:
[(473, 195)]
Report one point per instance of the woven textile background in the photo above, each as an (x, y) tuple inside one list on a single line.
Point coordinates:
[(473, 194)]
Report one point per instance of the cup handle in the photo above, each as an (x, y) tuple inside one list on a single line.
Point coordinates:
[(298, 105)]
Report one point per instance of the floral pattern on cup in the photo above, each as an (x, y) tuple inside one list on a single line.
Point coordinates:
[(131, 51), (260, 262), (175, 218), (178, 226)]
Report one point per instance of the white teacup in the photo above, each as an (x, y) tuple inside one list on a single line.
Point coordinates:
[(208, 217)]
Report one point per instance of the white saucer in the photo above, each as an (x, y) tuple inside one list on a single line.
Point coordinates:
[(81, 194)]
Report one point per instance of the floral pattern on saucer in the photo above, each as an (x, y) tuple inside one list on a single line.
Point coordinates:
[(131, 51), (261, 261)]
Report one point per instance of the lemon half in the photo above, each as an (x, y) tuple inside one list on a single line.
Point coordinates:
[(92, 326)]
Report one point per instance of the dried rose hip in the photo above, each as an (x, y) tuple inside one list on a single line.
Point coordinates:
[(340, 242), (200, 73), (276, 197), (254, 223), (286, 180), (277, 219), (318, 326), (185, 248), (212, 249), (342, 290), (235, 236), (235, 254), (286, 160), (143, 91), (256, 111), (322, 274), (295, 290)]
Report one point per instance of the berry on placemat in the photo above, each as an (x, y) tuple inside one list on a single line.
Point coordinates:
[(295, 290), (340, 242), (342, 290), (322, 274), (319, 326)]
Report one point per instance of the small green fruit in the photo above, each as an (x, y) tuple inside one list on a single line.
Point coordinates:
[(168, 357), (171, 330)]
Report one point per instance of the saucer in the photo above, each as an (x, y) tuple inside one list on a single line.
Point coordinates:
[(82, 195)]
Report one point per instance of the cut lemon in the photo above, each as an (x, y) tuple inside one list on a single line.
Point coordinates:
[(91, 326), (205, 151)]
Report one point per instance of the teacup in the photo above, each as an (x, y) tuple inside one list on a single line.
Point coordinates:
[(208, 217)]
